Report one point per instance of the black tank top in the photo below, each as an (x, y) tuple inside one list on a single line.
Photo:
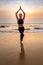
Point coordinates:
[(20, 21)]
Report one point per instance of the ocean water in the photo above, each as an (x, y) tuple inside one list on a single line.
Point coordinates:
[(13, 27)]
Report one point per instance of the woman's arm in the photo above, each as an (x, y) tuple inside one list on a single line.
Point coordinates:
[(23, 13), (17, 13)]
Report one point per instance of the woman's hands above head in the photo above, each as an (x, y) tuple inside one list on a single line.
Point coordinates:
[(20, 8), (22, 11)]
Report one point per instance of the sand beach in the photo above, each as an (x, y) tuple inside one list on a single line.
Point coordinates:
[(28, 53)]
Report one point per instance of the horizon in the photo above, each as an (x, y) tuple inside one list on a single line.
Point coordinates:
[(32, 8)]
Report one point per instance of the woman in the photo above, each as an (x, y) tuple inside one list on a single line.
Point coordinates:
[(20, 20)]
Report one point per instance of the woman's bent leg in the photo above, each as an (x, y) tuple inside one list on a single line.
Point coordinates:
[(21, 37), (21, 30)]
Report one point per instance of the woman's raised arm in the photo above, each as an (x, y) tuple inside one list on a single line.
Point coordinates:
[(23, 13), (17, 13)]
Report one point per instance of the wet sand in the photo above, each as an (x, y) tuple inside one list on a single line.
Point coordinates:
[(28, 53)]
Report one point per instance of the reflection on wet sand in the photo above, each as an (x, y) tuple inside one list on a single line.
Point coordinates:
[(22, 53)]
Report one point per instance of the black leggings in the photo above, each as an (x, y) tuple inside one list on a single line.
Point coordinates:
[(21, 30)]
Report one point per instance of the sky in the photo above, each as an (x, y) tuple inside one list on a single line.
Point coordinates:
[(32, 8)]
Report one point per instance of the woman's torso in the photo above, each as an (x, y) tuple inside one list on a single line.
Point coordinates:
[(20, 22)]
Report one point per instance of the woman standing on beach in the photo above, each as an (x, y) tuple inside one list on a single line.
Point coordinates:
[(20, 20)]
